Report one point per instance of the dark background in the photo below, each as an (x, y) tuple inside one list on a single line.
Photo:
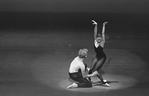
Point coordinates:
[(39, 37), (129, 17), (128, 25)]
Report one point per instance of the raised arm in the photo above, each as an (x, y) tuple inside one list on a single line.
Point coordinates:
[(103, 30), (95, 28)]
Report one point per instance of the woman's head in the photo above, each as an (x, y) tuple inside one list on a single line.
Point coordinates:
[(98, 38), (83, 53)]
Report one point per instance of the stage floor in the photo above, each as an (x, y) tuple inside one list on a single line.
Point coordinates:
[(35, 64)]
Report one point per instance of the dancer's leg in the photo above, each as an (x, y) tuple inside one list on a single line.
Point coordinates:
[(98, 67), (100, 63), (96, 73), (82, 82), (93, 65)]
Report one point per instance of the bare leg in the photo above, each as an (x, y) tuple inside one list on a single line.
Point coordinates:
[(93, 65), (100, 64), (95, 61), (98, 67), (96, 73)]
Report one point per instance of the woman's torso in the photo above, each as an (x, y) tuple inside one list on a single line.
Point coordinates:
[(99, 50)]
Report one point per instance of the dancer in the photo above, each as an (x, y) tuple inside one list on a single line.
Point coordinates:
[(100, 58), (77, 68)]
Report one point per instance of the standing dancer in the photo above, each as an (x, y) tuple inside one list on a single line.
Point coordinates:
[(77, 68), (100, 58)]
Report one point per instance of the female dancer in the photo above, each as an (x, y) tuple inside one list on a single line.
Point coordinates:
[(77, 67), (99, 41)]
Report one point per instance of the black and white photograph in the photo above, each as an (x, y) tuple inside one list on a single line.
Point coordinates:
[(74, 47)]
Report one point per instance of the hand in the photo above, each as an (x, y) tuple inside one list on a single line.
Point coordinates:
[(105, 23), (94, 73), (88, 69), (94, 22)]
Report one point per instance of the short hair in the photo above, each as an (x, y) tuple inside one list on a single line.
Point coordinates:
[(82, 53)]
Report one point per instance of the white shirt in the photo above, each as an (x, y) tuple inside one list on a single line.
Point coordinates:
[(76, 64)]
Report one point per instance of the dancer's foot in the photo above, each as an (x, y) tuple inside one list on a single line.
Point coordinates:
[(106, 85), (73, 85), (105, 81)]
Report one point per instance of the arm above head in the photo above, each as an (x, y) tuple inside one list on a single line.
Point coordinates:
[(95, 28), (103, 30)]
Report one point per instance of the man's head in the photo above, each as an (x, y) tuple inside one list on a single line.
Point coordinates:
[(83, 53)]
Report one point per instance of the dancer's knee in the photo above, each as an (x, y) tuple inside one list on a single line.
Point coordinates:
[(84, 85), (88, 85)]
